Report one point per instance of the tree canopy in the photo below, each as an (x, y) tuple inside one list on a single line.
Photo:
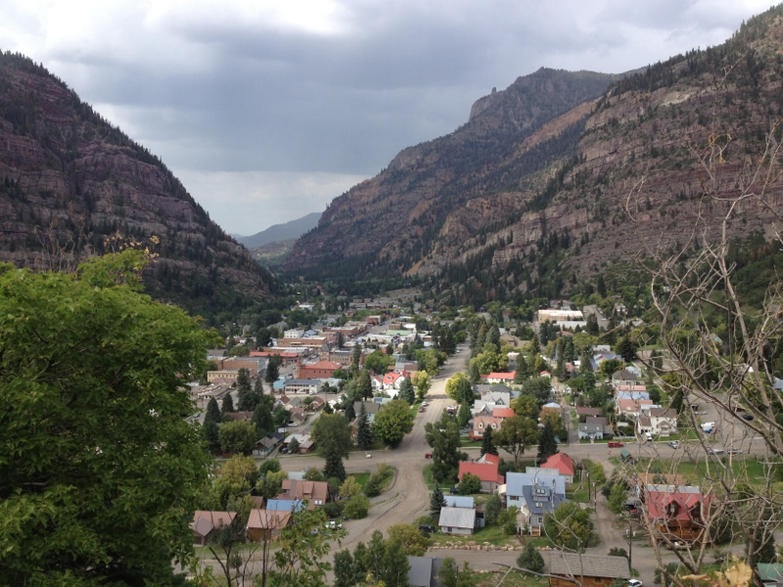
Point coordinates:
[(392, 422), (94, 411)]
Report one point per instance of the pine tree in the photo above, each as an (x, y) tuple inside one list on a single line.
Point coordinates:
[(212, 418), (547, 445), (487, 446), (228, 404), (364, 438), (437, 501)]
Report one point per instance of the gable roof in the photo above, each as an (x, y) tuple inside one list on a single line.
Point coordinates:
[(459, 501), (457, 517), (560, 461), (682, 503), (501, 412), (268, 519), (571, 564), (204, 521), (515, 482), (314, 492), (487, 471)]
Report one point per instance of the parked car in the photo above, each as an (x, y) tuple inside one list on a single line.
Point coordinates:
[(427, 455), (333, 525), (426, 529), (715, 451), (674, 444), (616, 444), (368, 455), (635, 583), (734, 451)]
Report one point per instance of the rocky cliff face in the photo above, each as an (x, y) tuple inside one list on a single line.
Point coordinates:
[(570, 170), (72, 185)]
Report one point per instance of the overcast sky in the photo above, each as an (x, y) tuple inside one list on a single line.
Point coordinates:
[(267, 110)]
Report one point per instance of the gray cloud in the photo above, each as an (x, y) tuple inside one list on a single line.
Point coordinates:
[(268, 110)]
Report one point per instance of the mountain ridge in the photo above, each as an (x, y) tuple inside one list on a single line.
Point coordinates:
[(542, 188), (72, 185)]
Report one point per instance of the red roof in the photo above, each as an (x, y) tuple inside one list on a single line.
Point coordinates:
[(507, 375), (501, 412), (485, 471), (675, 503), (560, 461)]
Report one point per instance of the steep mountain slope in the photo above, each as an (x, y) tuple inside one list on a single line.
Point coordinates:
[(72, 185), (281, 232), (536, 192)]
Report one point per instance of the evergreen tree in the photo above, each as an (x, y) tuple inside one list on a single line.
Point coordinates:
[(212, 418), (547, 445), (263, 416), (487, 446), (227, 405), (463, 414), (407, 392), (437, 501), (364, 437), (272, 369)]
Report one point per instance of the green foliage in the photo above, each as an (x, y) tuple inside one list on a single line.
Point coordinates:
[(378, 480), (301, 551), (392, 422), (443, 437), (212, 419), (237, 437), (332, 437), (531, 559), (516, 434), (235, 479), (378, 362), (437, 501), (569, 526), (469, 484), (100, 467), (492, 508), (487, 445), (547, 445), (356, 507), (364, 436), (413, 542)]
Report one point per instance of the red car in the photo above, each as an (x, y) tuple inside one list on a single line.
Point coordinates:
[(615, 444), (427, 455)]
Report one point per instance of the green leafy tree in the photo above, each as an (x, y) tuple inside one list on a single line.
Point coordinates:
[(300, 557), (212, 419), (492, 508), (569, 526), (469, 484), (378, 362), (271, 484), (356, 507), (618, 495), (539, 388), (422, 383), (332, 437), (235, 479), (443, 437), (459, 388), (463, 415), (392, 422), (263, 416), (100, 470), (237, 437), (516, 434), (413, 542)]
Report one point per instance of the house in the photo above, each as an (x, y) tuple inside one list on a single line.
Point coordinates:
[(457, 521), (318, 370), (515, 483), (305, 442), (486, 471), (658, 422), (538, 500), (568, 569), (423, 571), (308, 386), (481, 423), (501, 412), (632, 407), (677, 512), (315, 493), (499, 377), (594, 428), (205, 522), (630, 375), (583, 412), (389, 383), (267, 444), (266, 524), (561, 463)]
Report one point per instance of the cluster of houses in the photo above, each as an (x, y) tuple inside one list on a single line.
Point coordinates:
[(267, 520)]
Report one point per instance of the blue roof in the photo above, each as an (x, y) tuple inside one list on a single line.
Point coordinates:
[(284, 505), (459, 501)]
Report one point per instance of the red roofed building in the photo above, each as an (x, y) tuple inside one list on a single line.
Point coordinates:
[(487, 471), (499, 377), (501, 412), (318, 370), (562, 463), (676, 511)]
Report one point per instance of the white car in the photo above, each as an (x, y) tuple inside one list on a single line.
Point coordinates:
[(635, 583)]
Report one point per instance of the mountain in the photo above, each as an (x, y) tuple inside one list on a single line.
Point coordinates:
[(565, 173), (72, 185), (281, 232)]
